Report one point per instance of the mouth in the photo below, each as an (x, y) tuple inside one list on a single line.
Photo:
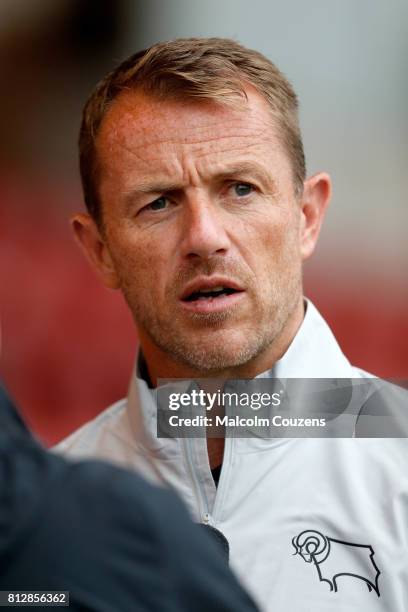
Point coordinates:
[(207, 295)]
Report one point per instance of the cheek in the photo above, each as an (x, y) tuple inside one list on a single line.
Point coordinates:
[(273, 240), (141, 264)]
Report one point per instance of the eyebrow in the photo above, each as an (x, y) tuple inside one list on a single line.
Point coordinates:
[(150, 187), (248, 168)]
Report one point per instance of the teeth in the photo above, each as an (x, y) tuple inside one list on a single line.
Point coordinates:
[(211, 290)]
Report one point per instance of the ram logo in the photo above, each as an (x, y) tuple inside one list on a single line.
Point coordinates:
[(334, 558)]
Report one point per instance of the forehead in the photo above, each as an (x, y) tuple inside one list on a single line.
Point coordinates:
[(140, 134)]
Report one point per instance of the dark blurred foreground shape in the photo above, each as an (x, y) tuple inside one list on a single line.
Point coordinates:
[(114, 542)]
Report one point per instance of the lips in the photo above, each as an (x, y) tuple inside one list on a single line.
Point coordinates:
[(210, 288), (209, 295)]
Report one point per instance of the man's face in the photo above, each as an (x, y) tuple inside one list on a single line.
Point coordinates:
[(202, 226)]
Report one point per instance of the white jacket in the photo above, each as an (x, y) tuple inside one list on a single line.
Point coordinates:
[(278, 500)]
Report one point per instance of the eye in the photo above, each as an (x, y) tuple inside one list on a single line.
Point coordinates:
[(159, 204), (243, 189)]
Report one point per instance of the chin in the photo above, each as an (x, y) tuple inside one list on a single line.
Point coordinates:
[(207, 363), (226, 354)]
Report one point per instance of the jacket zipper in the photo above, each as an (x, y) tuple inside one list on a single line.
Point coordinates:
[(224, 479), (206, 516), (202, 503)]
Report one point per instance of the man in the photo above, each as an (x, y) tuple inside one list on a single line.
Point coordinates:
[(110, 539), (200, 212)]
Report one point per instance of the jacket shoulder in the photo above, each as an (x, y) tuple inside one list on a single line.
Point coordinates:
[(86, 440)]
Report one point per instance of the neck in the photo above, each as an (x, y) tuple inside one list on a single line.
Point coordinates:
[(161, 365)]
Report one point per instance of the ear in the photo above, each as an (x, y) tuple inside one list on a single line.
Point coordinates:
[(95, 248), (314, 202)]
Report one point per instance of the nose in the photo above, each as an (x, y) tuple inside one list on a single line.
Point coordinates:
[(204, 231)]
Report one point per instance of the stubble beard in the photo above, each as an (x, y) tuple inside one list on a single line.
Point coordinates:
[(169, 334)]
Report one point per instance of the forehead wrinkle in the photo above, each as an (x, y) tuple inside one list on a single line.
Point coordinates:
[(132, 148), (197, 166), (117, 126), (138, 121), (216, 146)]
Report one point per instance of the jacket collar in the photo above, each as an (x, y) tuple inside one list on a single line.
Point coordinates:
[(314, 351)]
